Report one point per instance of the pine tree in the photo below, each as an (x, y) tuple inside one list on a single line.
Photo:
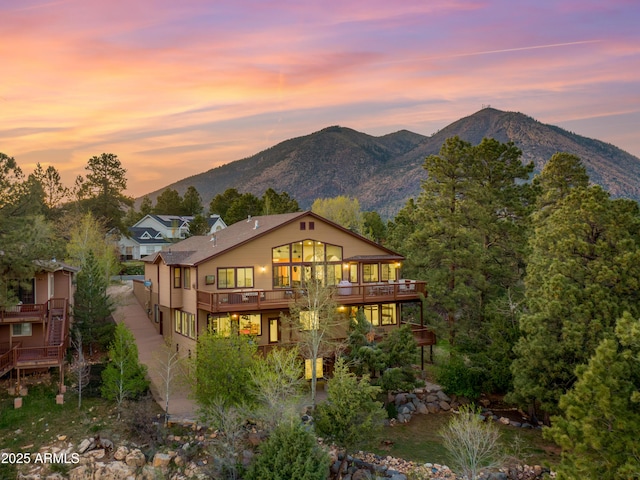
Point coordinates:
[(124, 376), (291, 452), (351, 417), (600, 416), (92, 307), (583, 273)]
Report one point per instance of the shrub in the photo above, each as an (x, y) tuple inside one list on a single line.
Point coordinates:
[(290, 452), (459, 378), (472, 442)]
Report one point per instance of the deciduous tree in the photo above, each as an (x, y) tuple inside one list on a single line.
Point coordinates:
[(221, 369), (345, 211)]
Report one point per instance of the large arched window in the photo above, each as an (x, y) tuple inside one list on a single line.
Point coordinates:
[(297, 262)]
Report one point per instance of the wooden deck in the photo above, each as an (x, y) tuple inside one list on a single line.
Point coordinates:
[(255, 299), (17, 356)]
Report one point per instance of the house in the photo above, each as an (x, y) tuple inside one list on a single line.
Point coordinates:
[(249, 273), (34, 333), (152, 233)]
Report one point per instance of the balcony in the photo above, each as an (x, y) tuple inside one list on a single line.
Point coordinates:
[(35, 312), (256, 299)]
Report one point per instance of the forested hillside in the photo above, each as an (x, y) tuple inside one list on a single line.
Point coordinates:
[(383, 172)]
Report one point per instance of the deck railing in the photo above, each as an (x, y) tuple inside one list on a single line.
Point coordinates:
[(257, 299), (33, 311)]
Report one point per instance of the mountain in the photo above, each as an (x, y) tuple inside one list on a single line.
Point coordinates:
[(383, 172)]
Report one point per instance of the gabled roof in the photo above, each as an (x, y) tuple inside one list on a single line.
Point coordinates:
[(181, 221), (197, 249), (147, 235), (54, 266)]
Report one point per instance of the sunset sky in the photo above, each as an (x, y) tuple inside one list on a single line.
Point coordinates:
[(175, 88)]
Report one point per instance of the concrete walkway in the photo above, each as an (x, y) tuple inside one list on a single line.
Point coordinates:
[(150, 344)]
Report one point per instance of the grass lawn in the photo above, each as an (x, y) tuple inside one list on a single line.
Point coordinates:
[(41, 422), (419, 441)]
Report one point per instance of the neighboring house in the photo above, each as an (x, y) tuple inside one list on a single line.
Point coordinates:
[(34, 333), (249, 273), (154, 232)]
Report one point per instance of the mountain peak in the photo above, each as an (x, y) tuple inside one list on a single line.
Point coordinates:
[(384, 172)]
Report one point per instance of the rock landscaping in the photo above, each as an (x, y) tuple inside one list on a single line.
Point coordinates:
[(185, 452)]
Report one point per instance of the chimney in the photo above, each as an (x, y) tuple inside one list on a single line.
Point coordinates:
[(255, 227), (248, 218)]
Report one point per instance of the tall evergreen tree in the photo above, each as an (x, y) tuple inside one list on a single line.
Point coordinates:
[(191, 202), (583, 273), (275, 203), (600, 416), (25, 235), (124, 376), (169, 202), (92, 306), (102, 191)]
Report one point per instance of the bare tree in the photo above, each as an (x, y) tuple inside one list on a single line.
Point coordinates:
[(278, 383), (80, 368), (170, 369), (315, 320), (472, 442), (229, 440)]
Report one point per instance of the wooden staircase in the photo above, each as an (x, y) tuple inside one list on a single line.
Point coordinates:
[(57, 320)]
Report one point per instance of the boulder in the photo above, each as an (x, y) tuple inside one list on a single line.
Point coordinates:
[(135, 458), (161, 460), (422, 408), (443, 396), (121, 453), (84, 445), (401, 399), (444, 406)]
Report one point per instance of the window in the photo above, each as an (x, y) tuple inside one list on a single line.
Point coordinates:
[(309, 320), (185, 323), (209, 279), (177, 277), (370, 272), (388, 271), (388, 314), (353, 273), (21, 329), (281, 276), (281, 254), (274, 330), (294, 263), (312, 225), (249, 325), (244, 277), (241, 277), (303, 226), (187, 278), (372, 314), (377, 315)]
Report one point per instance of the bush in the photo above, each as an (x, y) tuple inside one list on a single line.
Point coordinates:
[(472, 442), (290, 452), (131, 268), (459, 378)]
